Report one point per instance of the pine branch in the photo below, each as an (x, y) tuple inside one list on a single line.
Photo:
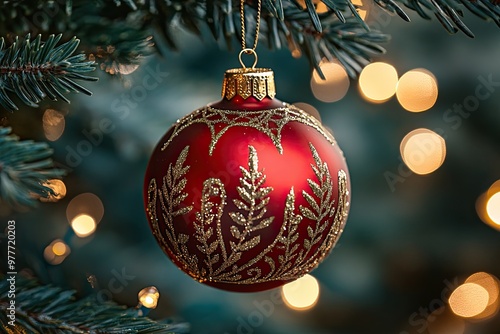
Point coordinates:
[(118, 32), (25, 167), (33, 70), (49, 309)]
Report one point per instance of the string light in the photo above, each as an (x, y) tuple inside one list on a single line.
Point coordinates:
[(423, 151), (53, 124), (56, 252), (301, 294), (88, 204), (417, 90), (59, 189), (468, 300), (148, 297), (83, 225), (335, 85), (378, 81)]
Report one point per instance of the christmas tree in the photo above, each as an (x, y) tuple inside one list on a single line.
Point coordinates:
[(418, 251)]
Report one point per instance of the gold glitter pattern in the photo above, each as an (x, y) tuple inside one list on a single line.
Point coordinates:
[(270, 122), (222, 251)]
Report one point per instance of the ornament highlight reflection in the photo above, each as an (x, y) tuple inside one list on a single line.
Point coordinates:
[(301, 294)]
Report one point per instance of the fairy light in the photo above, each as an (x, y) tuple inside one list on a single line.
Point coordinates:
[(83, 225), (469, 300), (378, 81), (85, 204), (59, 189), (423, 151), (301, 294), (148, 297), (56, 252), (335, 85), (53, 124), (417, 90)]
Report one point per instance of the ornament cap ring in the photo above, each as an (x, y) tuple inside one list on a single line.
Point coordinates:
[(248, 52)]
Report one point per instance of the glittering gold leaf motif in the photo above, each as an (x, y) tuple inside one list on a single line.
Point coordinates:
[(271, 123), (287, 256)]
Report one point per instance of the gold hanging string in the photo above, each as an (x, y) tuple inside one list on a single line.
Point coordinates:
[(257, 27)]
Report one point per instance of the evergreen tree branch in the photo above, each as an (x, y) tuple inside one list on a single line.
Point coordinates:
[(125, 27), (25, 168), (34, 70), (49, 309)]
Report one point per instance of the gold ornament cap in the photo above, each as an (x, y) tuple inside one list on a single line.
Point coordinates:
[(246, 82)]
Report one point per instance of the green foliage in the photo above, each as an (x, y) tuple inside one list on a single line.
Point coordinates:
[(49, 309), (25, 167), (118, 32), (33, 70)]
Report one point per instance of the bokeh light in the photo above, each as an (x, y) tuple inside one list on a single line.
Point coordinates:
[(488, 206), (417, 90), (491, 285), (127, 68), (335, 85), (88, 204), (56, 252), (423, 151), (83, 225), (469, 300), (148, 297), (301, 294), (53, 124), (59, 189), (320, 6), (378, 81), (308, 109), (362, 8), (493, 208)]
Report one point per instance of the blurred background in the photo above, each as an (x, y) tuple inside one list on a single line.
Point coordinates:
[(413, 238)]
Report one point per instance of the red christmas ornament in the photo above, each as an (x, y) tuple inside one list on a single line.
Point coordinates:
[(248, 193)]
